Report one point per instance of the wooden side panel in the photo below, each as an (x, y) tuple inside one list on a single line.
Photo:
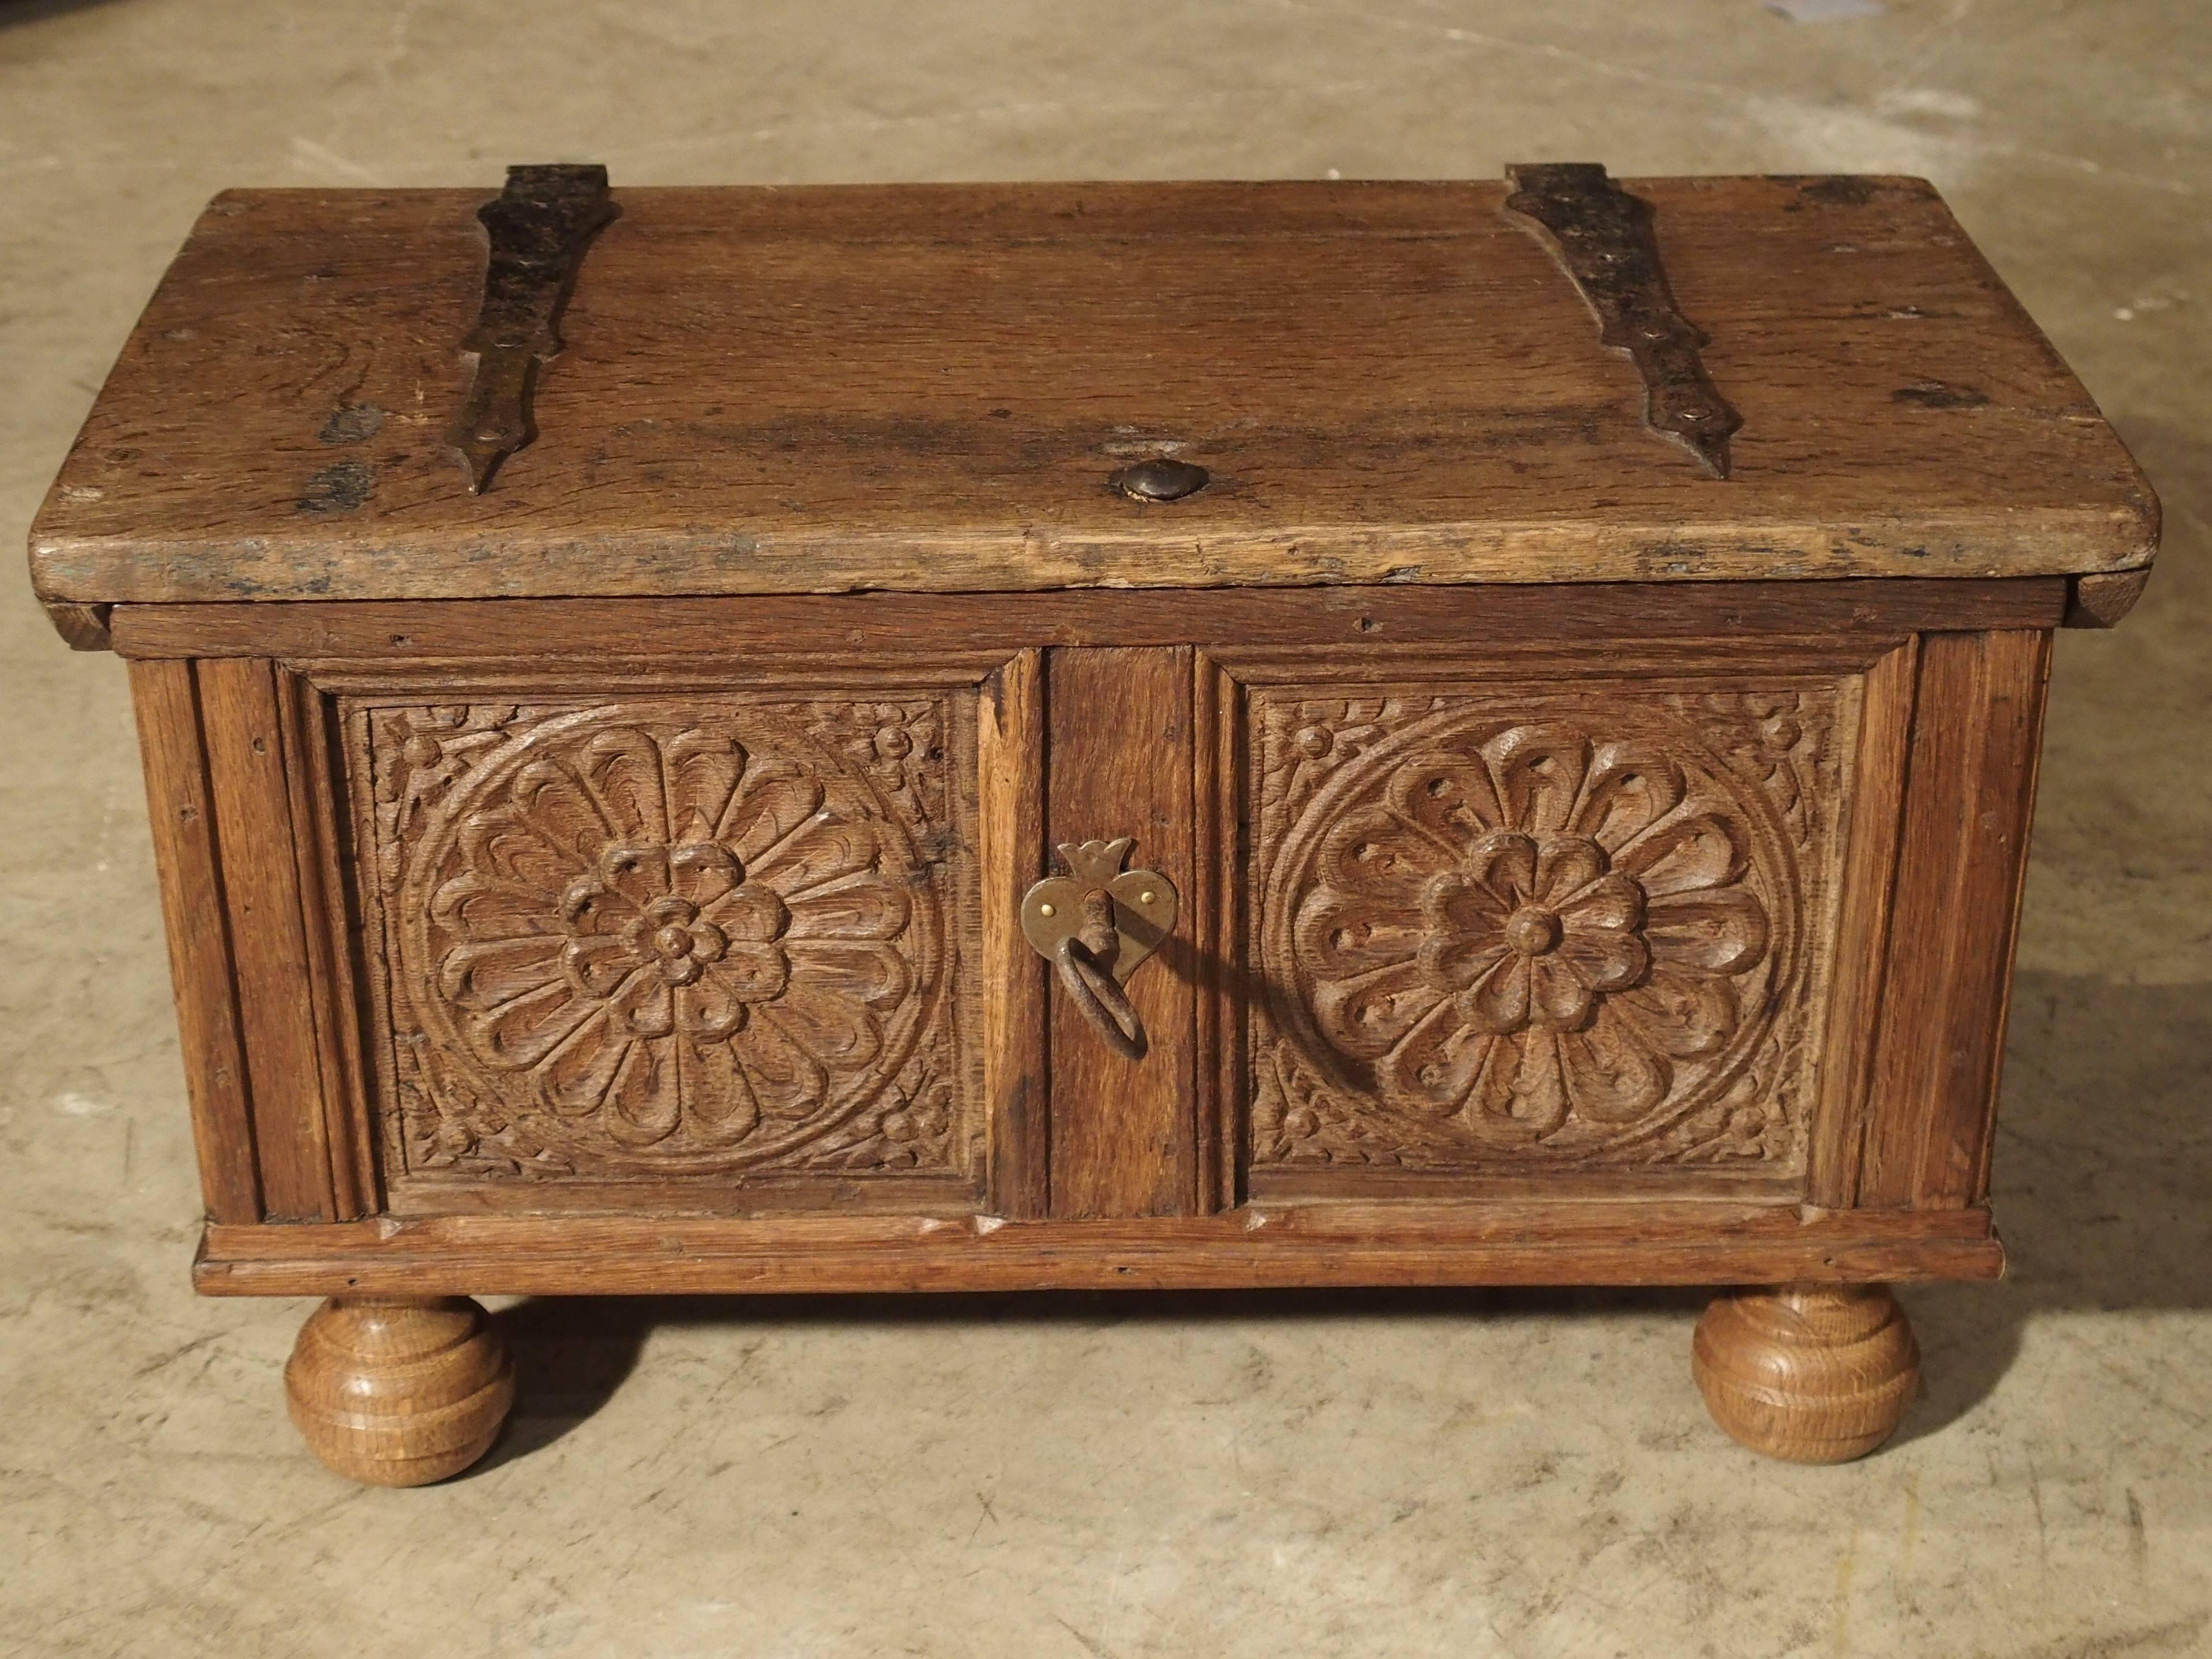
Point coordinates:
[(1123, 1135), (1010, 769), (1977, 733), (181, 812), (253, 818), (1863, 926)]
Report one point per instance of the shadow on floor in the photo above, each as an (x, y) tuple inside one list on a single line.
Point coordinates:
[(33, 11), (2102, 1178), (2103, 1192), (570, 1354)]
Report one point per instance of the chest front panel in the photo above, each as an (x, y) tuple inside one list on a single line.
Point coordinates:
[(1523, 928), (1504, 916), (718, 942)]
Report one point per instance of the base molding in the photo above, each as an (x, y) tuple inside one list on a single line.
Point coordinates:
[(1312, 1245)]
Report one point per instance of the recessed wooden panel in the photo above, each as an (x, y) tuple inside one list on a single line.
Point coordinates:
[(1504, 932), (699, 940)]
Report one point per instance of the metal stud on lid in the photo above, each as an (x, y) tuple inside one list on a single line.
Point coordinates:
[(1161, 480)]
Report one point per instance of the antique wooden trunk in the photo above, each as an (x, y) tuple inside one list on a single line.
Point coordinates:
[(1140, 735)]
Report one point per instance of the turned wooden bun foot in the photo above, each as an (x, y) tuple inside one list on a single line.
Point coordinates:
[(1809, 1373), (398, 1391)]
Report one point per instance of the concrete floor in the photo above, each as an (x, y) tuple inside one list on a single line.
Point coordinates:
[(1516, 1474)]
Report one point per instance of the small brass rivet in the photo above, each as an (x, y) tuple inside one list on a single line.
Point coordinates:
[(1161, 480), (1146, 898), (1044, 909)]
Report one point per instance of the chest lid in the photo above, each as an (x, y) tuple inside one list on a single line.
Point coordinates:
[(999, 387)]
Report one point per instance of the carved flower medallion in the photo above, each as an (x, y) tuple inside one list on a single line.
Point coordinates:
[(1534, 935), (673, 939)]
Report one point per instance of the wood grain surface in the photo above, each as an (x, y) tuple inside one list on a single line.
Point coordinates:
[(786, 628), (926, 387), (1595, 1243), (1882, 752), (1962, 860), (181, 813), (1123, 1140), (278, 1009), (1806, 1373), (1011, 831), (398, 1391)]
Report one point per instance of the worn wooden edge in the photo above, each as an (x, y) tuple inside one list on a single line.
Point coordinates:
[(2103, 599), (1317, 1245), (84, 627), (1648, 664), (1976, 1146), (1029, 557), (1265, 1184), (966, 886), (1011, 757), (376, 1055), (756, 1195), (473, 630), (1217, 910), (2146, 513), (919, 667)]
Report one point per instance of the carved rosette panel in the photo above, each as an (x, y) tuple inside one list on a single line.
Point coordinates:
[(1512, 930), (648, 938)]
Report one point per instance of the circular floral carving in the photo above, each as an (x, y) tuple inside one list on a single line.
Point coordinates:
[(671, 940), (1542, 937)]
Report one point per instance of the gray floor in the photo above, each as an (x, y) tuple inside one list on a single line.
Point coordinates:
[(1516, 1474)]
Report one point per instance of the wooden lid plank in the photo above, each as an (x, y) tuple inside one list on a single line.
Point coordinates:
[(929, 388)]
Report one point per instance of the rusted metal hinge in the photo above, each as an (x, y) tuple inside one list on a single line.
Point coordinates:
[(539, 227), (1603, 237)]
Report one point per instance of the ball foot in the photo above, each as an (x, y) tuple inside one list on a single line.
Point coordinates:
[(1807, 1373), (398, 1391)]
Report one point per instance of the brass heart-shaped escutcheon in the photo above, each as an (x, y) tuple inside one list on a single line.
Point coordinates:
[(1097, 924)]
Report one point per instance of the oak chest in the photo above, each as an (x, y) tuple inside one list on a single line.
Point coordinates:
[(1142, 735)]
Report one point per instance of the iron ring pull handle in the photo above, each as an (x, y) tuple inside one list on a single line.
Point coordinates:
[(1098, 996), (1096, 924)]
